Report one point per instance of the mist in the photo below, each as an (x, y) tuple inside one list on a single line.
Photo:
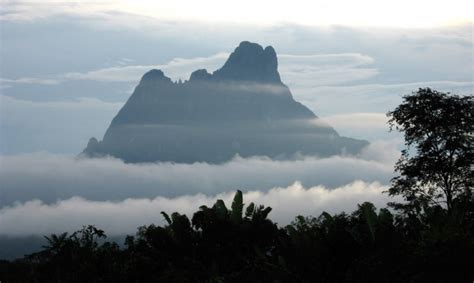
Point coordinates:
[(50, 177), (117, 218)]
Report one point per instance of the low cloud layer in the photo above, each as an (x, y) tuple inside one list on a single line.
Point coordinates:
[(117, 218), (50, 177)]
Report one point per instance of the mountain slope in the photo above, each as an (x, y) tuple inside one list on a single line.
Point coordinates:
[(243, 108)]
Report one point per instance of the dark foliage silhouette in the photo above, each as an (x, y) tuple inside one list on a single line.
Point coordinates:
[(222, 245), (436, 166)]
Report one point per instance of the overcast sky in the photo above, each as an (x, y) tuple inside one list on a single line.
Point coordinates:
[(67, 67), (401, 13)]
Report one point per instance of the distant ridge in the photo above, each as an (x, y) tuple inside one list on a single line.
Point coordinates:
[(241, 109)]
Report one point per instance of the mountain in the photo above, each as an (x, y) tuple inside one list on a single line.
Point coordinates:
[(243, 108)]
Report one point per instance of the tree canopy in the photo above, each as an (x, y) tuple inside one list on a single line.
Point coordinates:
[(229, 245), (435, 168)]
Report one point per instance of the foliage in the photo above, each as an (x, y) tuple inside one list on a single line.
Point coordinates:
[(216, 246), (435, 168)]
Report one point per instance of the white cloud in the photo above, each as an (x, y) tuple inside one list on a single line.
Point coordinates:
[(296, 70), (366, 98), (361, 13), (50, 177), (13, 10), (43, 193), (345, 59), (116, 218), (363, 125), (384, 151), (325, 69), (27, 80), (82, 103), (178, 68), (358, 120)]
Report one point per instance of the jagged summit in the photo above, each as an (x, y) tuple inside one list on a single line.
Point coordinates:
[(200, 75), (154, 76), (242, 108), (250, 62)]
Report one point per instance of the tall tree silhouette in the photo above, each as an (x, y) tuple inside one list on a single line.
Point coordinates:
[(435, 166)]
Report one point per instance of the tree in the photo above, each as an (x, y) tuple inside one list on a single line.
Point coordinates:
[(435, 167)]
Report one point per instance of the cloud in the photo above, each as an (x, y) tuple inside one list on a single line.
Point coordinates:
[(325, 69), (372, 126), (178, 68), (296, 70), (117, 218), (384, 151), (320, 80), (12, 10), (80, 103), (299, 11), (358, 120), (333, 101), (27, 80), (50, 177), (401, 54)]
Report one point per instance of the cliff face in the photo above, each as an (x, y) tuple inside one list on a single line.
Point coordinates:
[(242, 108)]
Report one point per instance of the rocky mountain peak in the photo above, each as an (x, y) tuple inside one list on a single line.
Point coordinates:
[(241, 109), (251, 62), (154, 76), (200, 75)]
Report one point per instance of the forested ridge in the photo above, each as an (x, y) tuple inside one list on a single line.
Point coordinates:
[(428, 237)]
